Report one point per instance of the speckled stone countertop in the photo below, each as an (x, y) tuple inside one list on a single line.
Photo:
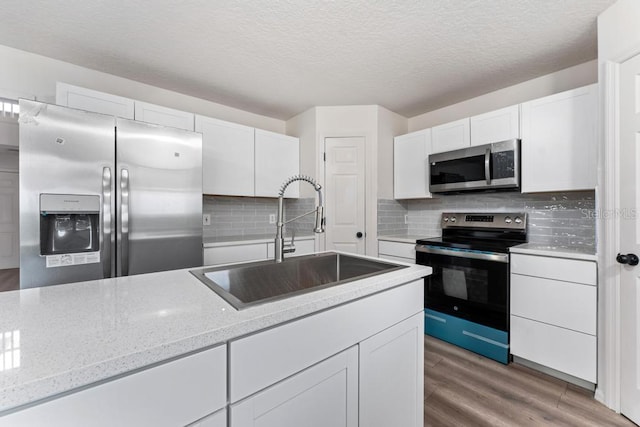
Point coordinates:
[(211, 242), (72, 335), (403, 238), (576, 252)]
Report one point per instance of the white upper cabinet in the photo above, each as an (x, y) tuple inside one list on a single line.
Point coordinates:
[(239, 160), (451, 136), (410, 165), (277, 158), (496, 126), (92, 100), (227, 157), (559, 141), (150, 113)]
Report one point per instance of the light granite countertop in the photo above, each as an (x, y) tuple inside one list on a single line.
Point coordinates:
[(211, 242), (576, 252), (73, 335)]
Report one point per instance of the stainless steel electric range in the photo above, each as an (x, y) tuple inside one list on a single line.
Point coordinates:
[(467, 296)]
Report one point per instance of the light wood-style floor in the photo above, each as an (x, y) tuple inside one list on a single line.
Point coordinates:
[(465, 389), (9, 279)]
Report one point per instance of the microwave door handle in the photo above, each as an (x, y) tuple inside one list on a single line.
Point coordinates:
[(124, 222), (105, 230), (487, 166)]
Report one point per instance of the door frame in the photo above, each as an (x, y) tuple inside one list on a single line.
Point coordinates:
[(608, 389), (371, 181)]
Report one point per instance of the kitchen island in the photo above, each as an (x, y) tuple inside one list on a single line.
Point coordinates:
[(141, 336)]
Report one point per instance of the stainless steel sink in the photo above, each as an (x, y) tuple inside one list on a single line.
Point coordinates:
[(255, 283)]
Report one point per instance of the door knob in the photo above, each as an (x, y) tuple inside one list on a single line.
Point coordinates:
[(630, 259), (359, 234)]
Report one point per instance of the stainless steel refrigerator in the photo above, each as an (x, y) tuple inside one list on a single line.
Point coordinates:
[(103, 197)]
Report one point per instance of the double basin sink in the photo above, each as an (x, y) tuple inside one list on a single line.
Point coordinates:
[(246, 285)]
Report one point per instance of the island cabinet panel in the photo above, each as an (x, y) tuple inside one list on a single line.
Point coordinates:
[(227, 157), (219, 419), (263, 359), (176, 393), (158, 115), (391, 372), (325, 394), (92, 100)]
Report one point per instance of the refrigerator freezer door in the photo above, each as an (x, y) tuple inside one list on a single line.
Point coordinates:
[(63, 151), (159, 205)]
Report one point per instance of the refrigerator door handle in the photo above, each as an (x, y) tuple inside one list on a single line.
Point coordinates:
[(124, 222), (107, 219)]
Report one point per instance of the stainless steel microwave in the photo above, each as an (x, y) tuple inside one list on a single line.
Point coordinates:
[(482, 167)]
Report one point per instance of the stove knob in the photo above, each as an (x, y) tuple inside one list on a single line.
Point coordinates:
[(507, 220), (445, 219), (453, 219), (518, 220)]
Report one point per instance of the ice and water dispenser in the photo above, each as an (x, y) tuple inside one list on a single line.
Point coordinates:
[(69, 224)]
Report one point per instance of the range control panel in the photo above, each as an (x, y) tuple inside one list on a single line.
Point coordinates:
[(508, 220)]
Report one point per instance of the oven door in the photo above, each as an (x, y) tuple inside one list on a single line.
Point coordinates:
[(472, 285)]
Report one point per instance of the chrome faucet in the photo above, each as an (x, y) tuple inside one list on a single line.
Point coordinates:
[(280, 247)]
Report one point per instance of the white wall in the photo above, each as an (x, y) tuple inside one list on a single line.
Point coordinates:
[(390, 125), (8, 159), (303, 126), (24, 74), (569, 78), (9, 132)]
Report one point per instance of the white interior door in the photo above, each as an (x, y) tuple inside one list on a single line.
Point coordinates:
[(630, 238), (345, 194), (9, 217)]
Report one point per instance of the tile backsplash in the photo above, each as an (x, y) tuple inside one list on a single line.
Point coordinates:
[(559, 219), (244, 216)]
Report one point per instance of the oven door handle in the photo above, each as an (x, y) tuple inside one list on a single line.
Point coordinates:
[(486, 256)]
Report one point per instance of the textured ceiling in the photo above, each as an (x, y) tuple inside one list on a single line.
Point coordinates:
[(281, 57)]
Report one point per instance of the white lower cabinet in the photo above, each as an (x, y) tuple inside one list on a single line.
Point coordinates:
[(329, 370), (554, 314), (391, 372), (397, 251), (238, 252), (323, 395), (218, 419), (176, 393)]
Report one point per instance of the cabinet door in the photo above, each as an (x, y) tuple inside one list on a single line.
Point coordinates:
[(451, 136), (277, 158), (323, 395), (92, 100), (496, 126), (219, 419), (227, 157), (410, 165), (392, 376), (559, 141), (163, 116)]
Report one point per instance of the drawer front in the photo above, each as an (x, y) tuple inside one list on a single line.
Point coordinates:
[(303, 247), (267, 357), (573, 353), (397, 259), (569, 270), (150, 397), (565, 304), (402, 250), (236, 253)]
